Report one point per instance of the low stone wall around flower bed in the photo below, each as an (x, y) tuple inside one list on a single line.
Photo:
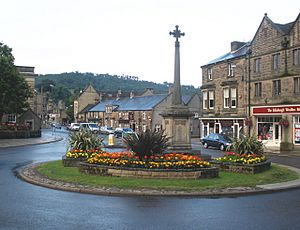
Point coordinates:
[(72, 162), (241, 168), (147, 173), (6, 134)]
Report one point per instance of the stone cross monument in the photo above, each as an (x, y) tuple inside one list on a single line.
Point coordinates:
[(177, 115)]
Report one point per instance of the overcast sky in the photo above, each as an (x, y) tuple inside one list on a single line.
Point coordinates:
[(131, 37)]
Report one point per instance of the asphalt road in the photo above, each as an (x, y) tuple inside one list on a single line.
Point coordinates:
[(26, 206)]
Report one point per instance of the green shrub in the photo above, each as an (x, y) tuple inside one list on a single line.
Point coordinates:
[(247, 145), (147, 143), (84, 139)]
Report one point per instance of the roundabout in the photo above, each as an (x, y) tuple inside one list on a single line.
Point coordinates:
[(30, 174), (27, 206)]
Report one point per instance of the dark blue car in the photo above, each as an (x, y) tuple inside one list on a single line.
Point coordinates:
[(217, 140)]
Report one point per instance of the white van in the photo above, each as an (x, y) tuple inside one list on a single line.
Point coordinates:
[(91, 126)]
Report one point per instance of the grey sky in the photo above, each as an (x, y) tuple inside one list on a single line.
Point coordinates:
[(131, 37)]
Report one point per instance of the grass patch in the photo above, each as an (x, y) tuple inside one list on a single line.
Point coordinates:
[(55, 170)]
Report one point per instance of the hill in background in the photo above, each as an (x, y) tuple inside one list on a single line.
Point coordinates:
[(76, 81)]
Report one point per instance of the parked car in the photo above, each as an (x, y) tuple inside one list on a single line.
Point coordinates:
[(217, 140), (56, 125), (74, 127), (106, 130), (91, 126), (121, 131)]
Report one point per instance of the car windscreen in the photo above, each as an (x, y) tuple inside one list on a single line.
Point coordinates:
[(93, 125)]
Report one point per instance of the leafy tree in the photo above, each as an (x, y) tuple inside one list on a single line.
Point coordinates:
[(60, 93), (14, 90)]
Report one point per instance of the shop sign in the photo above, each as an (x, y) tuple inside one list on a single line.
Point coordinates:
[(277, 109)]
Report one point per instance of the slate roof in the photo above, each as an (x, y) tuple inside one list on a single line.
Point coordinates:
[(284, 28), (141, 103), (238, 53), (87, 108)]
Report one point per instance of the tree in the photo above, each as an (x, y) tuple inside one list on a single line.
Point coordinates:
[(14, 90)]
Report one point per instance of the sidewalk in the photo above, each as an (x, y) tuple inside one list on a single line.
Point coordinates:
[(44, 139)]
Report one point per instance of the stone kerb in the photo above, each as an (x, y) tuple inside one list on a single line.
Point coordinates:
[(148, 173), (72, 162), (241, 168)]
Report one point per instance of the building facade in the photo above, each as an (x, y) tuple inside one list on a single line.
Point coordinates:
[(257, 87), (224, 92), (275, 83), (139, 112)]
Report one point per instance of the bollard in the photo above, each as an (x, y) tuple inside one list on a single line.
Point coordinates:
[(111, 139)]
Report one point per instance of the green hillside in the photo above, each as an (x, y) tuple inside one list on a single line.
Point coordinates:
[(76, 81)]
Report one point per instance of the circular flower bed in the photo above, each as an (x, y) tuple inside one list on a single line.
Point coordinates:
[(165, 161), (247, 159), (79, 153)]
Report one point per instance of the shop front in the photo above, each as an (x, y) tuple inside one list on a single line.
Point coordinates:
[(232, 127), (278, 126)]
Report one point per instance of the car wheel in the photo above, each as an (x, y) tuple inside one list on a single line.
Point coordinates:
[(205, 145), (222, 147)]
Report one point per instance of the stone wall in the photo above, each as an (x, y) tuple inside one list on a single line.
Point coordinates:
[(19, 134), (241, 168), (146, 173)]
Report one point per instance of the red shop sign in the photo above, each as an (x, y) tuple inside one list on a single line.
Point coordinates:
[(277, 109)]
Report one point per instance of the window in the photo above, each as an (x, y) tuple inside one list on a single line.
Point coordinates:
[(144, 115), (276, 61), (211, 101), (297, 85), (233, 97), (196, 115), (231, 67), (276, 88), (209, 73), (226, 97), (296, 57), (229, 97), (204, 100), (108, 109), (257, 65), (11, 118), (257, 89)]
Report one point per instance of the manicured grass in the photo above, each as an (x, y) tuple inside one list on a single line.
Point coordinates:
[(55, 170)]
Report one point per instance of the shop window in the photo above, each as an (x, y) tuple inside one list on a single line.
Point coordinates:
[(297, 130), (276, 88)]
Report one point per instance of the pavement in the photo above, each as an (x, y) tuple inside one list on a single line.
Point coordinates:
[(29, 174), (44, 139)]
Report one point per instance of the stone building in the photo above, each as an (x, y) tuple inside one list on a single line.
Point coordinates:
[(139, 112), (275, 83), (88, 97), (224, 94), (257, 87)]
